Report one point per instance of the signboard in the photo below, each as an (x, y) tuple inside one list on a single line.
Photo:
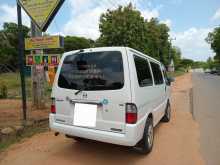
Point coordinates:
[(41, 12), (46, 42), (47, 59), (51, 74)]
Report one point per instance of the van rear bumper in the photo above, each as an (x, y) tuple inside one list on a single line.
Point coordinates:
[(132, 136)]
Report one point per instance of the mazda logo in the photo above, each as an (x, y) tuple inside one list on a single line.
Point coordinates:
[(84, 95)]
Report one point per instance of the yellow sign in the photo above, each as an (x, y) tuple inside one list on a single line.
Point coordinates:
[(47, 42), (51, 74), (41, 11)]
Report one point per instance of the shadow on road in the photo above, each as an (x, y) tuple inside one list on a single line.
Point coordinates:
[(93, 152)]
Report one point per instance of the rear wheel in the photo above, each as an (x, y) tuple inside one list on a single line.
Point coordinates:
[(167, 115), (146, 144)]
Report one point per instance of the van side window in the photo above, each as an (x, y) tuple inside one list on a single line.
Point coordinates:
[(143, 71), (158, 77)]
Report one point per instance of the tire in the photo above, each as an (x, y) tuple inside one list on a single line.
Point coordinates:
[(78, 139), (167, 115), (146, 144)]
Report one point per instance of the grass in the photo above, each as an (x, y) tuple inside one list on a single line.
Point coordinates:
[(27, 133), (176, 73), (13, 83)]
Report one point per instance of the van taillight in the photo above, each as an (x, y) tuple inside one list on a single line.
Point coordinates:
[(131, 113), (53, 107)]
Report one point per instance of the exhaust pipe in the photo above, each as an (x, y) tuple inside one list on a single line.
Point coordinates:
[(56, 133)]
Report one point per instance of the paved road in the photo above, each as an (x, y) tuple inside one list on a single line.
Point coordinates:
[(206, 98)]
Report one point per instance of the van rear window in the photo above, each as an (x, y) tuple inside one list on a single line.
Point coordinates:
[(92, 71)]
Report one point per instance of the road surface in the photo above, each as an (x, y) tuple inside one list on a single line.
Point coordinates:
[(206, 98), (176, 143)]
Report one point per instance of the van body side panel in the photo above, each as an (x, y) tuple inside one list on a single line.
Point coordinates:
[(149, 99), (143, 97), (161, 100)]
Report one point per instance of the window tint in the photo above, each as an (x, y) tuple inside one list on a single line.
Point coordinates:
[(92, 71), (158, 77), (143, 71)]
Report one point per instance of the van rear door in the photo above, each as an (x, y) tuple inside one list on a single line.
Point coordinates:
[(99, 77)]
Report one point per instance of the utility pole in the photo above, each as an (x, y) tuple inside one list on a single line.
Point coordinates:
[(171, 64), (21, 61), (38, 77), (171, 39)]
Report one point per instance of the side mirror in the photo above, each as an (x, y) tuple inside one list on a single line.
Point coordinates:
[(170, 80)]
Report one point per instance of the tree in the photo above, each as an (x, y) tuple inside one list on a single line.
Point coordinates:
[(186, 63), (199, 64), (9, 43), (157, 40), (74, 43), (176, 56), (126, 27), (123, 27), (214, 40)]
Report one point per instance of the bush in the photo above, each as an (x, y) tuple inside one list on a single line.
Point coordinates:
[(3, 91)]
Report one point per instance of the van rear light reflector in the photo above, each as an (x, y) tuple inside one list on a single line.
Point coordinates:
[(53, 107), (131, 113)]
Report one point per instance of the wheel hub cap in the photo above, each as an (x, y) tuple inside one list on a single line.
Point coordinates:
[(150, 135)]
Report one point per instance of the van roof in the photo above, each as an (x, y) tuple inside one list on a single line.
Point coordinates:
[(110, 49)]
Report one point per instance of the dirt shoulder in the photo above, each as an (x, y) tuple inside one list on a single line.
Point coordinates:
[(175, 142), (11, 113)]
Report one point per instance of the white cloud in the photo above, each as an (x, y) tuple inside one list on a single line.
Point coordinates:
[(148, 14), (168, 22), (9, 14), (216, 16), (86, 13), (84, 24), (192, 43)]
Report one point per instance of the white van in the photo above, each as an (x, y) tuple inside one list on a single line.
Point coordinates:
[(110, 94)]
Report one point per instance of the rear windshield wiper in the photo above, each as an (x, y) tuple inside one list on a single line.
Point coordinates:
[(83, 88), (87, 87), (80, 90)]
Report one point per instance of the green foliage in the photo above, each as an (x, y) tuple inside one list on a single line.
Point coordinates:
[(123, 27), (157, 43), (211, 63), (214, 40), (126, 27), (199, 64), (13, 82), (3, 91), (186, 63), (177, 73), (75, 43), (9, 43), (176, 56)]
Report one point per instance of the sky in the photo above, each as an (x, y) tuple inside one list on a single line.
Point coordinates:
[(189, 21)]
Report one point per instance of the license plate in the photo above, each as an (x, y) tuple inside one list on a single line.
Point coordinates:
[(85, 115)]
